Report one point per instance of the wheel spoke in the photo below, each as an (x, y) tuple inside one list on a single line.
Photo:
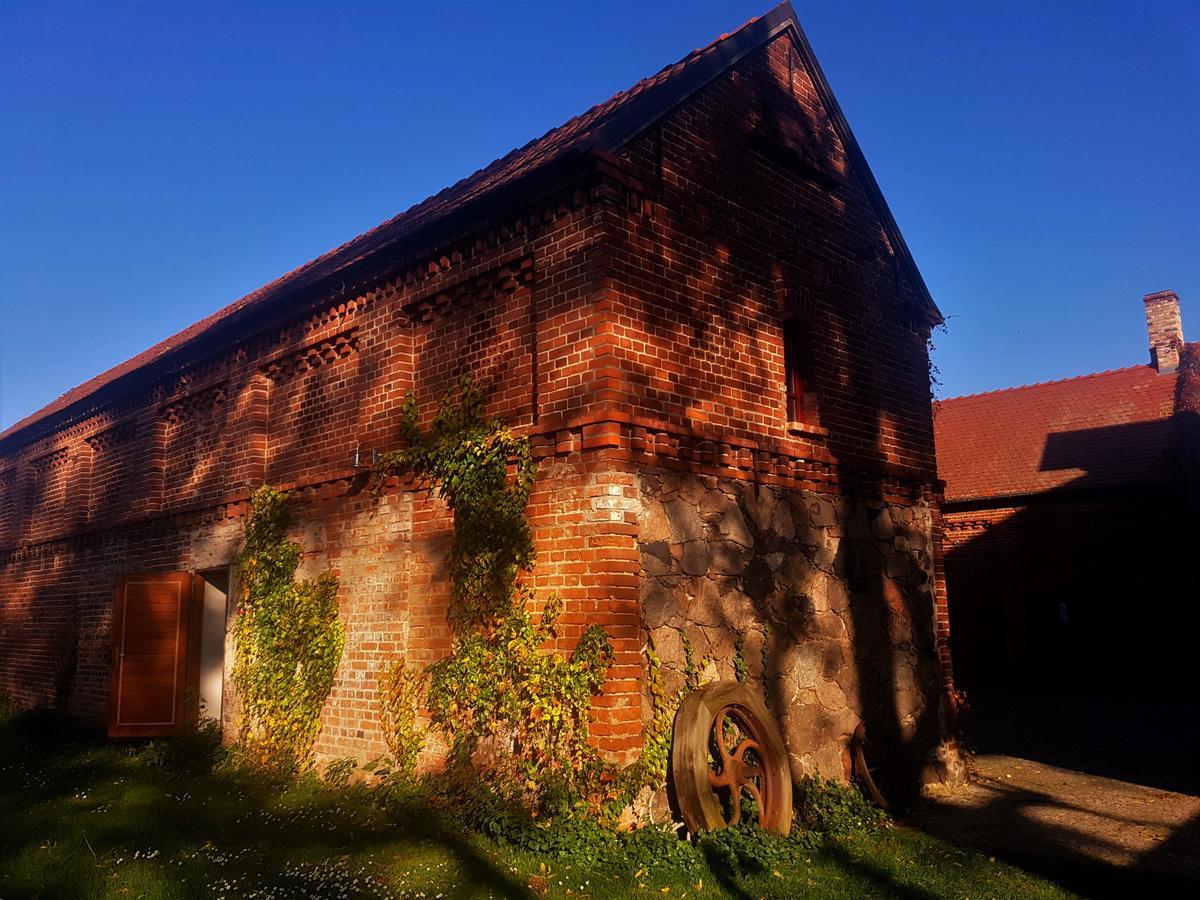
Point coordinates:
[(720, 736), (747, 744), (753, 788)]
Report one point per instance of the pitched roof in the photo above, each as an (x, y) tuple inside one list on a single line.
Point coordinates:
[(605, 127), (1100, 430)]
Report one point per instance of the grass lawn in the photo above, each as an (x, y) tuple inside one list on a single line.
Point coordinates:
[(80, 817)]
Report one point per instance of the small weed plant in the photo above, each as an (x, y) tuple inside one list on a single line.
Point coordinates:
[(828, 807)]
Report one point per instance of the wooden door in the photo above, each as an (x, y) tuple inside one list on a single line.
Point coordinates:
[(156, 643)]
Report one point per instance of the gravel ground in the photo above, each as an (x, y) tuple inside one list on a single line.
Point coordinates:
[(1097, 836)]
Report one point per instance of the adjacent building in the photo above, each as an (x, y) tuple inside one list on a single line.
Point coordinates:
[(1071, 541)]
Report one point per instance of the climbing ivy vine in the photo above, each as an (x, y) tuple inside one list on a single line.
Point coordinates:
[(512, 707), (484, 471), (517, 711), (287, 637), (401, 691), (650, 770)]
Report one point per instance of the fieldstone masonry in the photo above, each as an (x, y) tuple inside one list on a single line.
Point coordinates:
[(826, 601)]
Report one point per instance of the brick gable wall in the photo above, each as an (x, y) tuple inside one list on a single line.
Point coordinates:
[(631, 323), (735, 242)]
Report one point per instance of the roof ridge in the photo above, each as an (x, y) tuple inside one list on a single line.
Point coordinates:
[(1047, 383)]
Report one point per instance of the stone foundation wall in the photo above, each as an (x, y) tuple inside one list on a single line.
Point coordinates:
[(825, 603)]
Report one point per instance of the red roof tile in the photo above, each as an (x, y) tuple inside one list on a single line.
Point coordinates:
[(1098, 430)]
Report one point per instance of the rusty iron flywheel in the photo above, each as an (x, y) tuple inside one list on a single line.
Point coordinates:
[(728, 762)]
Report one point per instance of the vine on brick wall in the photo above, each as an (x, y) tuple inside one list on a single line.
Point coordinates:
[(518, 711), (288, 640), (650, 770), (513, 710), (484, 471), (401, 691)]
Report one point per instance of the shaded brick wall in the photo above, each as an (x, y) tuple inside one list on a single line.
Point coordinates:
[(737, 242), (719, 240)]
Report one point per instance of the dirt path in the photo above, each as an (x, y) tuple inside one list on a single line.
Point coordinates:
[(1095, 835)]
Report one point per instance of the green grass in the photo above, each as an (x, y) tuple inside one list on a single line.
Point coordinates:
[(80, 817)]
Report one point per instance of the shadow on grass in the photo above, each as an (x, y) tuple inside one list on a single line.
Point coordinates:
[(74, 810), (720, 869), (876, 875), (80, 816)]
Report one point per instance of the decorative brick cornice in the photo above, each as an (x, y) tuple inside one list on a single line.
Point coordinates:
[(793, 466), (186, 405), (203, 372), (53, 460), (312, 356), (337, 314), (118, 434), (599, 440), (954, 526), (499, 281)]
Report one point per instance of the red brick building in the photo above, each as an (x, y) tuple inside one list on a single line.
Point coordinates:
[(1069, 519), (695, 301)]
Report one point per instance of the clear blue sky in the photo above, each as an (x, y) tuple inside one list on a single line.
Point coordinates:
[(158, 161)]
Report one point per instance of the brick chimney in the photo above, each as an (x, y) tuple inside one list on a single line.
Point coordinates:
[(1165, 325)]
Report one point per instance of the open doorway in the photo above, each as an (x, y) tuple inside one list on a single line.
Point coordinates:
[(212, 641)]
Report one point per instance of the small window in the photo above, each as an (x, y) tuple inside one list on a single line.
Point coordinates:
[(795, 361)]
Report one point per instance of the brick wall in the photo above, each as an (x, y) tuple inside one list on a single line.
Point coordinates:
[(736, 242), (629, 321)]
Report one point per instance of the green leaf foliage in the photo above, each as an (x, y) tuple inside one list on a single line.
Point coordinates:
[(514, 710), (288, 640), (828, 807), (524, 706), (484, 471), (401, 693)]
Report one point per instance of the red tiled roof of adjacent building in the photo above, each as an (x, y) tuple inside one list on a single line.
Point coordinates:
[(605, 126), (1100, 430)]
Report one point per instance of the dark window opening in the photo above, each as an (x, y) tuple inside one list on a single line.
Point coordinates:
[(795, 361)]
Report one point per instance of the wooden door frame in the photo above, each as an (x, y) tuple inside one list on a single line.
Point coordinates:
[(185, 711), (222, 637)]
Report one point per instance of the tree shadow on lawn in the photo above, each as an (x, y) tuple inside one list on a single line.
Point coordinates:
[(876, 875), (75, 810), (82, 816)]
